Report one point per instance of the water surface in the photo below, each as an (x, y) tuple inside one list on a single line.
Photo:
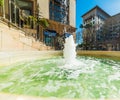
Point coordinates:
[(87, 78)]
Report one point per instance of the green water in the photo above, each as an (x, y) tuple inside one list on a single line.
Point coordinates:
[(90, 78)]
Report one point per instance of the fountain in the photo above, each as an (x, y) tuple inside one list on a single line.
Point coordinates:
[(69, 52), (71, 77)]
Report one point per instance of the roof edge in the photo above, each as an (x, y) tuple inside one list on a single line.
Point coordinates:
[(95, 8)]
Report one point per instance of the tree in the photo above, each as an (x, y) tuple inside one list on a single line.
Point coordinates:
[(1, 2), (39, 21), (87, 36), (34, 21)]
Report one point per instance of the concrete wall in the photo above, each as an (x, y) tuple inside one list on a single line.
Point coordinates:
[(13, 40), (72, 13), (44, 8)]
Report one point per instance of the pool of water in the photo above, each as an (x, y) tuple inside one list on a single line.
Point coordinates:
[(87, 78)]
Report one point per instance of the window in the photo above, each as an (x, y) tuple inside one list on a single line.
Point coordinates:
[(59, 11), (27, 6), (49, 38)]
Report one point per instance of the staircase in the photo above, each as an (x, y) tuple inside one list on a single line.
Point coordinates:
[(13, 39)]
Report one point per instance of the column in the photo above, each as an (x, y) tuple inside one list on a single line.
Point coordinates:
[(15, 14), (10, 10), (3, 8), (1, 40), (19, 18)]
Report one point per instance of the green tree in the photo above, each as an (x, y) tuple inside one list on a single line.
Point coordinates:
[(87, 35), (1, 2), (39, 21)]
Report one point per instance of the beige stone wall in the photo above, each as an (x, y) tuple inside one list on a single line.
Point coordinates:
[(13, 39), (44, 8), (72, 13)]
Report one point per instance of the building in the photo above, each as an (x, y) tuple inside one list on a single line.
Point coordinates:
[(95, 18), (60, 15), (111, 33), (104, 32)]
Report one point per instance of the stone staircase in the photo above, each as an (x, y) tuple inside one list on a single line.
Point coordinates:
[(12, 39), (41, 46)]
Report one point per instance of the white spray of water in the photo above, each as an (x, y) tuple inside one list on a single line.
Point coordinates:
[(69, 52)]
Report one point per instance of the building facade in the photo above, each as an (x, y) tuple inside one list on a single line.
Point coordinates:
[(61, 17), (95, 18), (60, 14), (111, 33), (105, 30)]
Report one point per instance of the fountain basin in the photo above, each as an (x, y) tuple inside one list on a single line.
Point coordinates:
[(54, 75), (7, 58), (113, 55)]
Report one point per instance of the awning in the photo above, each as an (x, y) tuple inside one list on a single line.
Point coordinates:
[(50, 33)]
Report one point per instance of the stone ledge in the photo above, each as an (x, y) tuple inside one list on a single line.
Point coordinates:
[(7, 58), (4, 96), (114, 55)]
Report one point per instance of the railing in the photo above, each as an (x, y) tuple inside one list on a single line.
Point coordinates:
[(14, 20)]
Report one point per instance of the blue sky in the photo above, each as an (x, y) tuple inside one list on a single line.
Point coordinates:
[(82, 6)]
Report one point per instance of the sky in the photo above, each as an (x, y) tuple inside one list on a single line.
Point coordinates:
[(112, 7)]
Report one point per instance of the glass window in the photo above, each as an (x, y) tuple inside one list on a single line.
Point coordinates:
[(58, 11), (22, 3), (27, 6), (49, 38)]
